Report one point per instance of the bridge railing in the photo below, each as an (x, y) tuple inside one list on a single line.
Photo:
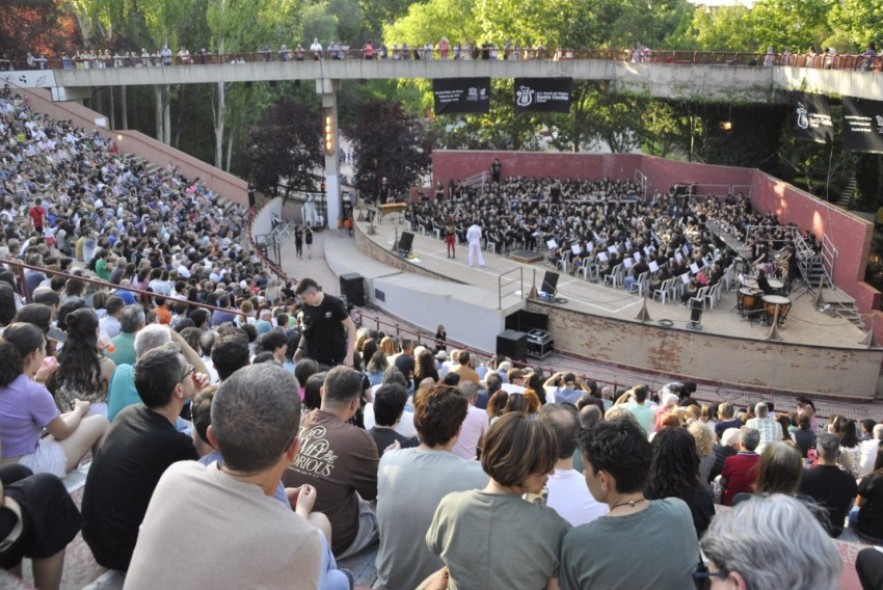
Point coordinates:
[(675, 57)]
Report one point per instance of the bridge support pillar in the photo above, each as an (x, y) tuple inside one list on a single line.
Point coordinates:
[(71, 93), (327, 89)]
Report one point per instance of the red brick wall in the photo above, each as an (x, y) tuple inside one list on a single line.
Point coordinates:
[(464, 164)]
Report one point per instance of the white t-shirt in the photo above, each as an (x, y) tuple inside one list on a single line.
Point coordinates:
[(474, 427), (571, 499)]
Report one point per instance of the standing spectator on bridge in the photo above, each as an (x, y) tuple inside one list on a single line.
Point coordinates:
[(316, 49), (369, 50), (496, 170), (329, 334), (473, 236)]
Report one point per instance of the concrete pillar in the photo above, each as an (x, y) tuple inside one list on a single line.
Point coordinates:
[(327, 89), (71, 94)]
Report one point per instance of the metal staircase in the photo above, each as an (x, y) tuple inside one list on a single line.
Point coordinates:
[(848, 193), (815, 269)]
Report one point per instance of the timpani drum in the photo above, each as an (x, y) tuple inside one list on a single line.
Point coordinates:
[(749, 298), (776, 284), (771, 302)]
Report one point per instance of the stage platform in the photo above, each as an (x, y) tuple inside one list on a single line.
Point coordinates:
[(812, 353)]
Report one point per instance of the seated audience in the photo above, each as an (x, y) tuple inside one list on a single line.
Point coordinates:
[(38, 520), (27, 408), (568, 494), (491, 538), (674, 473), (254, 425), (389, 404), (740, 471), (471, 438), (140, 445), (641, 543), (340, 461), (779, 471), (412, 482), (753, 546), (83, 372), (829, 486)]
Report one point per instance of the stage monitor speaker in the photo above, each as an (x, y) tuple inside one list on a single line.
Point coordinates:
[(512, 344), (406, 241), (352, 285), (696, 306), (550, 283)]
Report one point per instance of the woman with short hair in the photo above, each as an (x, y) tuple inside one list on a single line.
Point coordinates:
[(754, 546), (612, 551), (492, 538)]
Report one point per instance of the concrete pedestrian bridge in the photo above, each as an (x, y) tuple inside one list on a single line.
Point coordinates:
[(728, 81)]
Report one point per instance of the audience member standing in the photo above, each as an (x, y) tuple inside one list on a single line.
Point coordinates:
[(832, 488), (329, 334)]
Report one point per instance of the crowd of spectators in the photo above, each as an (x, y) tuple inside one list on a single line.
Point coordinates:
[(443, 49), (176, 402)]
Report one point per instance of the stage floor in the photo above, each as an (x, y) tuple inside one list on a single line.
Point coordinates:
[(804, 324)]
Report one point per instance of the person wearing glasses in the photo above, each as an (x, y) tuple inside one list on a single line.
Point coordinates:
[(640, 543), (141, 443), (752, 547)]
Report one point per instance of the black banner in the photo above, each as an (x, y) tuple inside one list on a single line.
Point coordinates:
[(862, 125), (812, 117), (461, 95), (546, 95)]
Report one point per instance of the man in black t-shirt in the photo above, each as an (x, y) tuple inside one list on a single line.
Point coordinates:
[(832, 488), (140, 445), (329, 334)]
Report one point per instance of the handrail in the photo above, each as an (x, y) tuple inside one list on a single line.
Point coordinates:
[(519, 282), (22, 267), (855, 62)]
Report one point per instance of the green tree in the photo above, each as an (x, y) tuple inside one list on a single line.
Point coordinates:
[(859, 21), (285, 145), (389, 144), (320, 24), (715, 29), (789, 24)]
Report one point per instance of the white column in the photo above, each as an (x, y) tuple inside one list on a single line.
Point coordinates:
[(327, 89)]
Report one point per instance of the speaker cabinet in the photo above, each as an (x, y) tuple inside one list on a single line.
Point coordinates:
[(406, 241), (512, 344), (352, 285), (550, 283)]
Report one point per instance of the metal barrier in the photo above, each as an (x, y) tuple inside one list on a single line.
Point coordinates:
[(514, 280), (21, 267), (854, 62)]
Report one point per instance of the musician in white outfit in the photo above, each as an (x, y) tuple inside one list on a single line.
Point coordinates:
[(473, 236)]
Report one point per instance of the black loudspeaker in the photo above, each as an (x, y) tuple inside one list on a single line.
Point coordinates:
[(406, 241), (550, 283), (352, 286), (696, 306), (512, 344)]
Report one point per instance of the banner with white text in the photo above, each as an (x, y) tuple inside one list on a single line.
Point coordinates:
[(862, 125), (812, 117), (544, 95), (461, 95)]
